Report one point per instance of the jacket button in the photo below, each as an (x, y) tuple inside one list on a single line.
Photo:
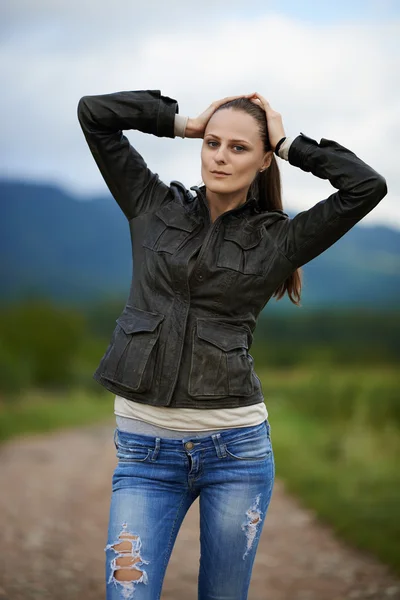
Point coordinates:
[(200, 276), (189, 445)]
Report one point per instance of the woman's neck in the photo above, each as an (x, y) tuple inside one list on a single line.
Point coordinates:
[(220, 203)]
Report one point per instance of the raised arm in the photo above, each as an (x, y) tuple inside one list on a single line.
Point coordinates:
[(360, 187), (103, 118)]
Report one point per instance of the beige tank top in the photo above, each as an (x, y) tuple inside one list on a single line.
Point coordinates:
[(191, 419)]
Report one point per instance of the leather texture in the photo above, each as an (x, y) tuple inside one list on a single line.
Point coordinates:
[(183, 339)]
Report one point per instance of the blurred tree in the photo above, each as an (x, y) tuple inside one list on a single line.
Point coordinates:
[(43, 336)]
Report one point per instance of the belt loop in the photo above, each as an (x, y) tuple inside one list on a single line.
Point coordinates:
[(115, 437), (156, 449), (219, 445)]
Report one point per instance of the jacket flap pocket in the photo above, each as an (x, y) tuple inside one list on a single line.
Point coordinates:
[(224, 336), (175, 216), (135, 319), (245, 238)]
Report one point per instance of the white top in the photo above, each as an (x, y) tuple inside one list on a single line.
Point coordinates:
[(192, 419), (196, 419)]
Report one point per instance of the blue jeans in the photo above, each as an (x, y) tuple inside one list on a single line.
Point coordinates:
[(154, 484)]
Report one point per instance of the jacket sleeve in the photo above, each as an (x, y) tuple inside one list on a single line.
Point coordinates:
[(103, 118), (360, 189)]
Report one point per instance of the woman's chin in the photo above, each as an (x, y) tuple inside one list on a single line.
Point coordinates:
[(218, 185)]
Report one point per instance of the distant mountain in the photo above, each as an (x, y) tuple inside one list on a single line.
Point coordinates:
[(71, 250), (55, 245)]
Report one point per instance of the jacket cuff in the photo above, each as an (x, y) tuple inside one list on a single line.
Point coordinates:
[(167, 109), (300, 149)]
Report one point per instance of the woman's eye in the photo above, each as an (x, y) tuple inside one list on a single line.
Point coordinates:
[(237, 148)]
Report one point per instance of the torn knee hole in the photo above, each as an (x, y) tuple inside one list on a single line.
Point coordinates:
[(250, 528), (127, 574), (255, 520), (124, 569), (126, 545)]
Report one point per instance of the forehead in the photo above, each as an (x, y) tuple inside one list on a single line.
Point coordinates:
[(233, 124)]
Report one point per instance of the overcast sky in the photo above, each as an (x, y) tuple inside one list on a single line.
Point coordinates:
[(331, 70)]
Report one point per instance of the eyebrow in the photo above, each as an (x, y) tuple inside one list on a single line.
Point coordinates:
[(218, 138)]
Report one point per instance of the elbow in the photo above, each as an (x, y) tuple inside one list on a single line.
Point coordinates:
[(83, 111), (365, 198), (380, 188), (81, 108), (376, 190)]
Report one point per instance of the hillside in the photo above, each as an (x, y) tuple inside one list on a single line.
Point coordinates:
[(74, 250)]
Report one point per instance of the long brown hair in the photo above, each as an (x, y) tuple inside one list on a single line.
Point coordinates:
[(267, 188)]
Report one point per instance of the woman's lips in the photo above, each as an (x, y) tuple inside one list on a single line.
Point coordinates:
[(220, 174)]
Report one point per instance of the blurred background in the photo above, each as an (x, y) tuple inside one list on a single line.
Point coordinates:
[(330, 368)]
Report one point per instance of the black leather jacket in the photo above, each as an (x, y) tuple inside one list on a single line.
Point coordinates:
[(183, 339)]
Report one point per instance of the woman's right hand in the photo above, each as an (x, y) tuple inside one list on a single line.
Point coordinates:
[(195, 127)]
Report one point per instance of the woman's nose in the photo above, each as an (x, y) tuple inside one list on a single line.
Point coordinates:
[(220, 154)]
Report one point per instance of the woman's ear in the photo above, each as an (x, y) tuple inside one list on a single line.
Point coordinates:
[(267, 160)]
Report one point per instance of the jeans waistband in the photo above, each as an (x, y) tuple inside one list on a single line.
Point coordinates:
[(203, 442)]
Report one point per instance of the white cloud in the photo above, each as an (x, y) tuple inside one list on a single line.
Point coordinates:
[(337, 82)]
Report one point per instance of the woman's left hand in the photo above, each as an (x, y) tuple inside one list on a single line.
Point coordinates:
[(274, 119)]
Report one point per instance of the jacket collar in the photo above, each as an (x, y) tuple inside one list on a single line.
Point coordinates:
[(251, 202)]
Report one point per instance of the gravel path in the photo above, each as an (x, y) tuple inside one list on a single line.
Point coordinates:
[(54, 501)]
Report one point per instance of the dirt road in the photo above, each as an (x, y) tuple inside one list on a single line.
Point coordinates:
[(54, 501)]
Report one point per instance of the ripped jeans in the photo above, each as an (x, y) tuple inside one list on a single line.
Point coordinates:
[(154, 484)]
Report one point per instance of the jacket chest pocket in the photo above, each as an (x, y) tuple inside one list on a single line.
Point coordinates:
[(220, 364), (131, 357), (168, 229), (245, 251)]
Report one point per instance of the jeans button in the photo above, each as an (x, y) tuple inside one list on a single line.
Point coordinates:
[(189, 445)]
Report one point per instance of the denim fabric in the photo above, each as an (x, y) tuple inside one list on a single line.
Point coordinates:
[(183, 339), (154, 484)]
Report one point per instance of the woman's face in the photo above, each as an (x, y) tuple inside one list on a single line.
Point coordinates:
[(232, 144)]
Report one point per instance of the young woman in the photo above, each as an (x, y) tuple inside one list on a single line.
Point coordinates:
[(191, 417)]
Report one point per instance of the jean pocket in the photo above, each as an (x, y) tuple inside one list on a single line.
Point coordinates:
[(131, 450), (252, 447)]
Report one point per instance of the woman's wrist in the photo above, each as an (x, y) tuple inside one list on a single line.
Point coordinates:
[(279, 144), (180, 125), (283, 151), (186, 127)]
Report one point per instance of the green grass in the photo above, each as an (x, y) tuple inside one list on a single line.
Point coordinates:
[(40, 411), (368, 395), (342, 466)]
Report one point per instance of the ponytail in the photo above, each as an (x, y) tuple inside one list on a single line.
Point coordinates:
[(269, 195)]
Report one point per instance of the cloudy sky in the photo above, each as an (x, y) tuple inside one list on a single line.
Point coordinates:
[(331, 70)]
